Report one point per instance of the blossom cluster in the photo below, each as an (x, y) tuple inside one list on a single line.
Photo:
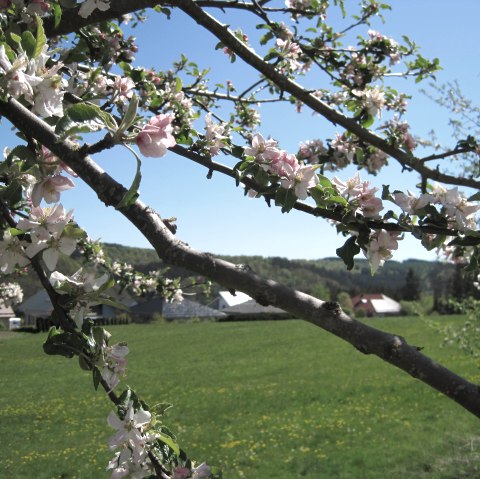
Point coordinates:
[(459, 212), (10, 294), (30, 79), (132, 439), (293, 175), (360, 196)]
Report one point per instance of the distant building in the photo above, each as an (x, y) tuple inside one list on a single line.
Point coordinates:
[(186, 309), (376, 305), (6, 312), (251, 310), (226, 299), (37, 309)]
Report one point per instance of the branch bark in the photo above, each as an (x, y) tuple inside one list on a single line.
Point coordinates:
[(389, 347)]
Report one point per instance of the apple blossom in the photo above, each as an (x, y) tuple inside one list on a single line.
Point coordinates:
[(263, 150), (352, 188), (88, 6), (156, 136), (10, 293), (51, 248), (12, 253), (372, 99), (411, 203), (50, 188), (301, 179), (214, 136), (113, 363), (124, 87), (380, 247), (45, 222)]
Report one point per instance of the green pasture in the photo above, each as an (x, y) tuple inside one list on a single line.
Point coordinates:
[(263, 400)]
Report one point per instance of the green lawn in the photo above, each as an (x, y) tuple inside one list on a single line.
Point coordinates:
[(260, 399)]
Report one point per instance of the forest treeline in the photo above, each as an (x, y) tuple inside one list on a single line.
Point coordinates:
[(324, 278)]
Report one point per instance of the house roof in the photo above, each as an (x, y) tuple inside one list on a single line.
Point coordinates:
[(6, 311), (233, 300), (37, 305), (183, 310), (253, 308), (379, 303)]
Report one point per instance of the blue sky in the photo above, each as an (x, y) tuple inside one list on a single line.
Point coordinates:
[(212, 215)]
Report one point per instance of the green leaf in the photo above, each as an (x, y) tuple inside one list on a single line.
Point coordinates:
[(475, 197), (57, 14), (130, 115), (97, 377), (132, 194), (348, 251), (169, 442), (41, 39), (82, 112), (84, 363), (285, 198), (28, 43), (16, 38), (178, 84)]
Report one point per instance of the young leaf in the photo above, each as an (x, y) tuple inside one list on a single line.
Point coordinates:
[(132, 194), (348, 251), (41, 39)]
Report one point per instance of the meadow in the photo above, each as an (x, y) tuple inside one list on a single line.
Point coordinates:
[(260, 399)]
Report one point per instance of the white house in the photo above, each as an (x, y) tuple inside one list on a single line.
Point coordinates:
[(227, 300), (6, 312), (376, 305)]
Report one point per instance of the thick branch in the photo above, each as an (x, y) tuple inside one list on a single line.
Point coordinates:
[(328, 316)]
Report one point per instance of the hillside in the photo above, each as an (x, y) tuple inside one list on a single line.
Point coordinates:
[(319, 277)]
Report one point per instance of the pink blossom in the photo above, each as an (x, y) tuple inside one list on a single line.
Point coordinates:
[(283, 164), (410, 203), (263, 150), (214, 136), (380, 248), (45, 222), (352, 188), (87, 7), (124, 87), (50, 189), (301, 179), (369, 204), (156, 137), (38, 7)]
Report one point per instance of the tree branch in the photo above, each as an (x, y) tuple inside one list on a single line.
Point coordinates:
[(223, 33), (391, 348)]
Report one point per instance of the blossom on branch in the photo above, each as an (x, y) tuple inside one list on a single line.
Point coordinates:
[(113, 363), (12, 253), (215, 135), (380, 248), (10, 293), (156, 136), (87, 7), (50, 188)]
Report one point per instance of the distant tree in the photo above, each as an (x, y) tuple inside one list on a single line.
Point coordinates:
[(411, 288), (345, 302), (321, 291)]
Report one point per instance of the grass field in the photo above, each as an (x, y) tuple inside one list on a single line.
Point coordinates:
[(263, 400)]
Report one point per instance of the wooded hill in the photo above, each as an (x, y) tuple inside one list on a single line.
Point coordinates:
[(324, 278)]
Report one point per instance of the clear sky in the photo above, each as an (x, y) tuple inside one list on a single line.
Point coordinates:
[(213, 215)]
